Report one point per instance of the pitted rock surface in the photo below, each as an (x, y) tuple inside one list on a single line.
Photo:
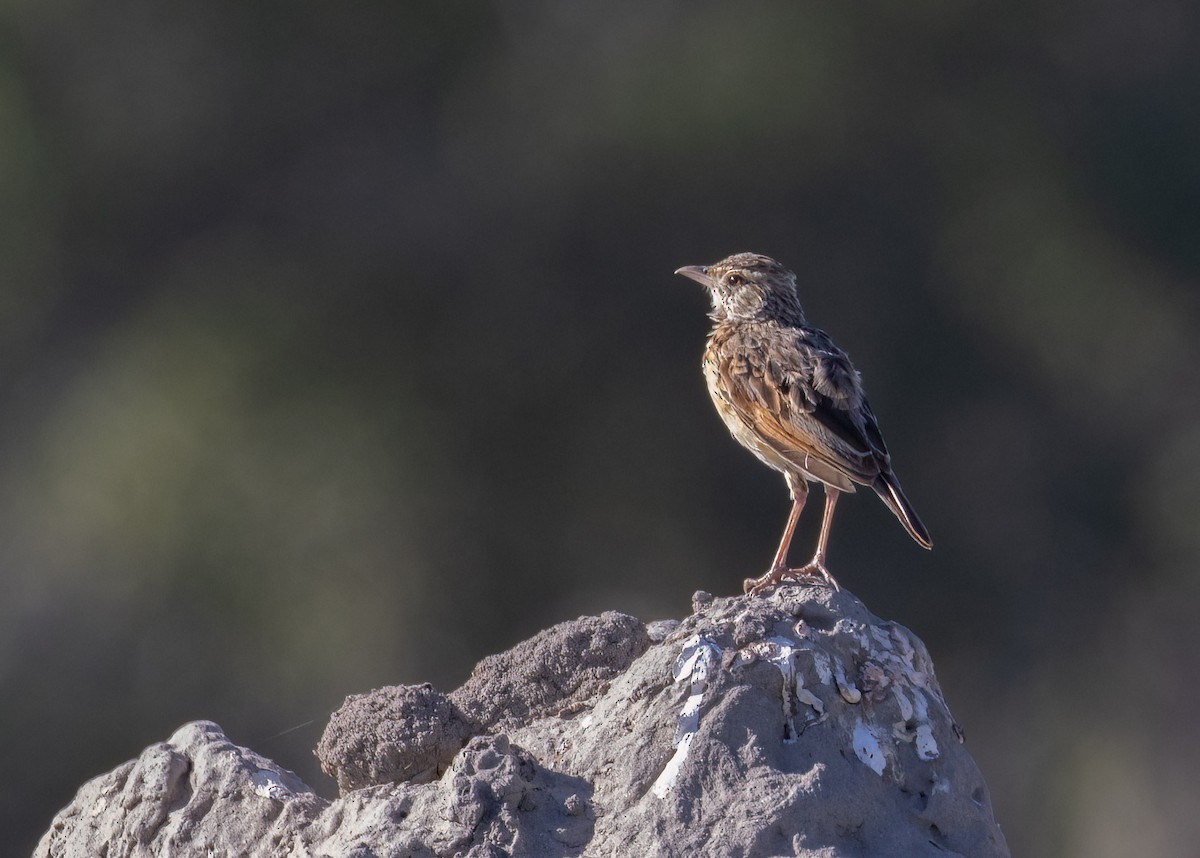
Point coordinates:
[(394, 734), (561, 668)]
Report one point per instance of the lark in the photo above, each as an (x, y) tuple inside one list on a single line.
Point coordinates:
[(794, 400)]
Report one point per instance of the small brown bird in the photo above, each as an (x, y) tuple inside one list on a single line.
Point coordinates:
[(792, 398)]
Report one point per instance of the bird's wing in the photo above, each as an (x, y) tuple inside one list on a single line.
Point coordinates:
[(801, 395)]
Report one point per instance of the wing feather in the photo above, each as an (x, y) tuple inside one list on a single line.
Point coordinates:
[(804, 402)]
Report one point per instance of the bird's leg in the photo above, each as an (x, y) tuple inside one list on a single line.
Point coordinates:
[(780, 559), (779, 568), (817, 565)]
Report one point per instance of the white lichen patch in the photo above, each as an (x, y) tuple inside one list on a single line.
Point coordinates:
[(784, 653), (694, 665), (872, 680), (822, 666), (894, 668), (927, 748), (847, 689), (268, 785), (779, 652), (868, 748)]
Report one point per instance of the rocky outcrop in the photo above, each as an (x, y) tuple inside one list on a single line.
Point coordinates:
[(798, 724)]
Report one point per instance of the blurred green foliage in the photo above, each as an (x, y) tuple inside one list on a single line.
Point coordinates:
[(339, 347)]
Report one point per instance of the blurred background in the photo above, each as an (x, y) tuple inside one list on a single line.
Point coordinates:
[(339, 347)]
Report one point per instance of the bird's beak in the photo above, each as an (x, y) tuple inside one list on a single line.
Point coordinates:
[(699, 273)]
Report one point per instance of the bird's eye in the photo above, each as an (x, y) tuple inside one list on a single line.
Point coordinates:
[(733, 279)]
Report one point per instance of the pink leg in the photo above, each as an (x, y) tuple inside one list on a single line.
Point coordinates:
[(779, 568), (817, 564)]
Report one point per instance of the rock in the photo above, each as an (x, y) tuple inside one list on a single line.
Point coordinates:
[(195, 794), (799, 724), (796, 725), (556, 671), (397, 733), (659, 630)]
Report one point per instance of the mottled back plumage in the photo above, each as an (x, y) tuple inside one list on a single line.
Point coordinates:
[(788, 394)]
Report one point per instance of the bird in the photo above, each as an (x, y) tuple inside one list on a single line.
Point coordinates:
[(789, 395)]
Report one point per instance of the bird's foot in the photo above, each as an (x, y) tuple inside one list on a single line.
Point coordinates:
[(816, 569), (755, 586), (779, 574)]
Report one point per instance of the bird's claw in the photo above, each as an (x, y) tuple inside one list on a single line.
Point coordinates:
[(755, 586), (815, 569)]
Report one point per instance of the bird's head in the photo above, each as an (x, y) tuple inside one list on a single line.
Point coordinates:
[(748, 287)]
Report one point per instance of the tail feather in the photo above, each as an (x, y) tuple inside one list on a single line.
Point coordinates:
[(888, 488)]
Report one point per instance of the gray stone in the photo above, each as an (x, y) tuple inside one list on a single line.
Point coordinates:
[(556, 671), (197, 794), (393, 734), (799, 724)]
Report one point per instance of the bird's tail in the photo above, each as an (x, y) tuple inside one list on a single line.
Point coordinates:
[(888, 488)]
